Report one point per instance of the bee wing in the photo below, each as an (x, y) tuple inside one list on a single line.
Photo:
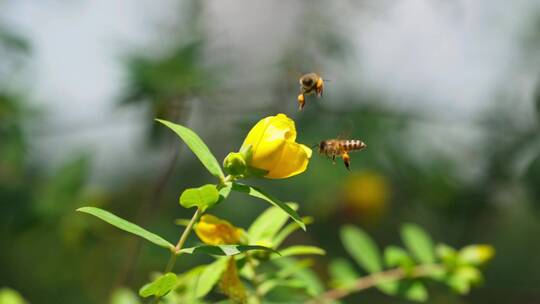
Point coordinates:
[(346, 132)]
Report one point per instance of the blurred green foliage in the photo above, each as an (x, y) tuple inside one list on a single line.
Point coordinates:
[(47, 248)]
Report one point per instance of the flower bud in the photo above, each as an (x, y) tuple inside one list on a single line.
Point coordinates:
[(235, 164)]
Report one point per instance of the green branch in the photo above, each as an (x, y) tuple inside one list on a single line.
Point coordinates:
[(176, 250), (375, 279)]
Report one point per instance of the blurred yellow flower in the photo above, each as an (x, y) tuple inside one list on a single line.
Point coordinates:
[(214, 231), (366, 195), (274, 148), (230, 283)]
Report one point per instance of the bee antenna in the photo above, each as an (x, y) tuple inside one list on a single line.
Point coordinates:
[(315, 146)]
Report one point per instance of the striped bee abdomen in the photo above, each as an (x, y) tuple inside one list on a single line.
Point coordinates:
[(352, 144)]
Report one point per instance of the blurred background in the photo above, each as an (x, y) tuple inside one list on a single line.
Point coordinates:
[(445, 94)]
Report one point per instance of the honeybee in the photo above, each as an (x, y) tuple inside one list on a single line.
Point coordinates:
[(340, 148), (309, 83)]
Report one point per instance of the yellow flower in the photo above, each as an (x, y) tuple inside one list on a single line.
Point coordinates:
[(214, 231), (230, 283), (366, 196), (274, 148)]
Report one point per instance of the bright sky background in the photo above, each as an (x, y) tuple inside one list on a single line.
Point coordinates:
[(450, 57)]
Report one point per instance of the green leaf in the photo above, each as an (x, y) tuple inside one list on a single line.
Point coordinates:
[(397, 257), (415, 291), (160, 287), (446, 253), (290, 228), (299, 250), (342, 273), (268, 223), (475, 255), (418, 242), (362, 248), (10, 296), (224, 191), (458, 284), (195, 143), (123, 296), (470, 274), (126, 226), (258, 193), (389, 288), (209, 277), (226, 250), (203, 197)]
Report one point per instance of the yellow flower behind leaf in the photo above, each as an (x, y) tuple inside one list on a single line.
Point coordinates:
[(230, 283), (214, 231), (274, 148)]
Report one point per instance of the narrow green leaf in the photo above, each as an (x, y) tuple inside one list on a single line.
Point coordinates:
[(195, 143), (126, 226), (362, 248), (342, 273), (160, 287), (203, 197), (258, 193), (292, 268), (415, 291), (268, 285), (268, 223), (209, 277), (418, 242), (188, 282), (311, 282), (299, 250), (226, 250)]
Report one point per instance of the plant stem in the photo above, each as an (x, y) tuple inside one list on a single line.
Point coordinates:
[(188, 229), (226, 179), (176, 250), (375, 279)]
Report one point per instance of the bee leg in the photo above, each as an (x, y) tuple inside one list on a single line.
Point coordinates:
[(347, 161), (334, 159), (319, 87), (301, 101)]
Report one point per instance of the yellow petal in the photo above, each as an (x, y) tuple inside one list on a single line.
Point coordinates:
[(214, 231), (294, 160)]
